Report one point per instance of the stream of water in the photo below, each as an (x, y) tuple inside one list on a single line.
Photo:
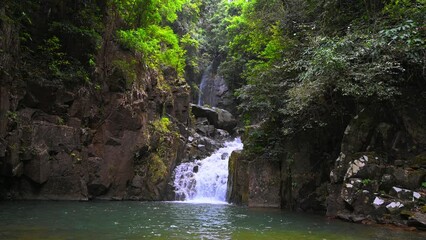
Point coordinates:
[(203, 85), (205, 181)]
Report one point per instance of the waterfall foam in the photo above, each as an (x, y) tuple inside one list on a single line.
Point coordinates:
[(205, 181)]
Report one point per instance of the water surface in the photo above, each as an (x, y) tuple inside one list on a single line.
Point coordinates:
[(172, 220)]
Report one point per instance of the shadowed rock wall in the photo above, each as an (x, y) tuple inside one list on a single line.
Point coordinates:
[(120, 139)]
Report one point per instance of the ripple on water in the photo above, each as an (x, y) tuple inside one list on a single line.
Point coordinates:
[(135, 220)]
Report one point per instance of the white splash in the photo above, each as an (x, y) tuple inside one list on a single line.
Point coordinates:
[(205, 181)]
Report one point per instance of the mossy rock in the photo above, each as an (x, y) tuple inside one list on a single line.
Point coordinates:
[(157, 170), (420, 160), (162, 125), (232, 160), (423, 209), (405, 214)]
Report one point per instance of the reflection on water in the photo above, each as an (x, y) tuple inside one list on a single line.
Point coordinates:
[(169, 220)]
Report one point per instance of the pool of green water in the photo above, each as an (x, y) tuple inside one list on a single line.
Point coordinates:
[(171, 220)]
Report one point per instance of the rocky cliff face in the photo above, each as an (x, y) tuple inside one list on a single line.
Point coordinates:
[(109, 148), (118, 139), (296, 182), (214, 91), (379, 175), (380, 171)]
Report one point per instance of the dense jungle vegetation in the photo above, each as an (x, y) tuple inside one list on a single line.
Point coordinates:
[(294, 65), (301, 66)]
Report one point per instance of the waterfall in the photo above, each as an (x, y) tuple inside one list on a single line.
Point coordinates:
[(203, 84), (205, 181)]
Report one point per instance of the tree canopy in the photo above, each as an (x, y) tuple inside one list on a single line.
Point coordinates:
[(298, 64)]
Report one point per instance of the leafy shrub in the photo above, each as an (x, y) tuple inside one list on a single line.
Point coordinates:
[(157, 45)]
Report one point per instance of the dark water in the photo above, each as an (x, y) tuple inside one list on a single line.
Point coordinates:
[(168, 220)]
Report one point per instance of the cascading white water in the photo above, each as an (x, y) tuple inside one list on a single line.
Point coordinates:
[(203, 85), (205, 181)]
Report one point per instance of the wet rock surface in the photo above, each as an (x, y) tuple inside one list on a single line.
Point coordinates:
[(204, 136)]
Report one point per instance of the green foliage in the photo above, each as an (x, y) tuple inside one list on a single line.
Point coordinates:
[(339, 65), (406, 33), (49, 34), (366, 181), (60, 121), (57, 68), (51, 49), (190, 45), (302, 65), (128, 68), (403, 9), (424, 184), (12, 116), (263, 140), (144, 13), (157, 170), (157, 45), (162, 125)]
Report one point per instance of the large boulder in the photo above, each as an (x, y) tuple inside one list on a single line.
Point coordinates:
[(220, 118)]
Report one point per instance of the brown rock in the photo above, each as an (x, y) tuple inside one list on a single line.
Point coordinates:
[(264, 184), (56, 137), (238, 180), (38, 169), (417, 220), (410, 179)]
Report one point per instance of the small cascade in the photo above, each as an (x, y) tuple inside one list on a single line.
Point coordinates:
[(203, 84), (205, 181)]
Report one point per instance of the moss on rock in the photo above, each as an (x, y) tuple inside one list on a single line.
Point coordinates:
[(157, 170), (420, 159)]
